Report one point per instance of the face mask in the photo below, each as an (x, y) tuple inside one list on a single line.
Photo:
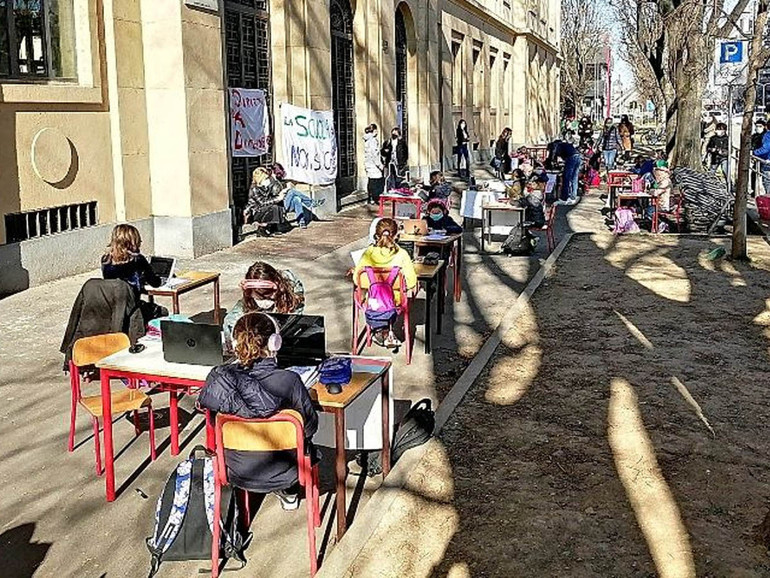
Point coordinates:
[(265, 304), (759, 128), (436, 216), (720, 133)]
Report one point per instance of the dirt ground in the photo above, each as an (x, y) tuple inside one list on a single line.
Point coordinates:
[(623, 429)]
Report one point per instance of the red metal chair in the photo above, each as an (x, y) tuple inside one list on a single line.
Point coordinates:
[(86, 352), (283, 431), (359, 307), (548, 227), (674, 213)]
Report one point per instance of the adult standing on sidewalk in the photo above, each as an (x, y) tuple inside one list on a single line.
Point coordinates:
[(373, 165), (395, 156), (462, 138), (610, 144), (502, 160), (626, 132), (760, 128), (763, 153), (571, 174)]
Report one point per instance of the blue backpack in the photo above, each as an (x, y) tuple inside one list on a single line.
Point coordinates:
[(184, 516)]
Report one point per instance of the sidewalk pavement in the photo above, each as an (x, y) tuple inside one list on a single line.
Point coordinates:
[(56, 521)]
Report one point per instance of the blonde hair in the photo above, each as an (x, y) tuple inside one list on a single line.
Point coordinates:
[(125, 243), (259, 175), (385, 234), (251, 335)]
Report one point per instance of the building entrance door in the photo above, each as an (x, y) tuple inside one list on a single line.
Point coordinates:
[(343, 96), (247, 62)]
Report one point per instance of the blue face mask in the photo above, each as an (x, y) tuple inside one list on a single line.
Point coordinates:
[(436, 216)]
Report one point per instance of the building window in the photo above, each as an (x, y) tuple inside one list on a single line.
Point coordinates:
[(37, 39), (478, 74), (507, 83), (494, 79), (33, 224), (458, 69)]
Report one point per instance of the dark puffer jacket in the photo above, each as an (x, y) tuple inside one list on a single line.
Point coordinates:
[(258, 392)]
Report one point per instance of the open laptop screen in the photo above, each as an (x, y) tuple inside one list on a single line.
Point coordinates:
[(163, 266), (304, 338)]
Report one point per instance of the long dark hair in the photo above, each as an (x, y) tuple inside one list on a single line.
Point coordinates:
[(286, 301)]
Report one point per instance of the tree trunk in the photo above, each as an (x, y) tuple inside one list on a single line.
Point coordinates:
[(690, 86), (758, 55)]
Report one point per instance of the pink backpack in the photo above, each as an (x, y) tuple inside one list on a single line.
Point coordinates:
[(381, 307), (624, 221)]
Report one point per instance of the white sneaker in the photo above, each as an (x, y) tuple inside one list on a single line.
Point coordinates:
[(288, 501), (571, 202), (560, 202), (391, 341)]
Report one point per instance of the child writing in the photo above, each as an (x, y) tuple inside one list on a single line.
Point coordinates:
[(267, 290), (385, 253), (254, 387), (123, 260), (438, 218)]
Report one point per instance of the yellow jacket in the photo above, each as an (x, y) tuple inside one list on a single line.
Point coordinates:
[(381, 257)]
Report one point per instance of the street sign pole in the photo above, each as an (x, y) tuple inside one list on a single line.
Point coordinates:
[(728, 176)]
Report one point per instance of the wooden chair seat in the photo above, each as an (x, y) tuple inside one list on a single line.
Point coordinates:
[(122, 402)]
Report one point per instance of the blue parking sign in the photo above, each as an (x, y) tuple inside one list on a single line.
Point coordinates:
[(731, 52)]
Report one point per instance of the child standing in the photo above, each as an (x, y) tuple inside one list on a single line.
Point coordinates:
[(385, 253)]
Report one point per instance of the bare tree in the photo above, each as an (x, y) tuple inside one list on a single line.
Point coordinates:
[(582, 33), (676, 38), (759, 54)]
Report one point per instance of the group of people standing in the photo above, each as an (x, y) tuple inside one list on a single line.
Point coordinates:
[(386, 162)]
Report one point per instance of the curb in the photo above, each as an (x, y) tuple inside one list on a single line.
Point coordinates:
[(368, 519)]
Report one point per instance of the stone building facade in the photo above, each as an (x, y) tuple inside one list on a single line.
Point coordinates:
[(116, 110)]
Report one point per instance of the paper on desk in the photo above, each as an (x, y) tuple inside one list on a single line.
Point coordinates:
[(356, 255)]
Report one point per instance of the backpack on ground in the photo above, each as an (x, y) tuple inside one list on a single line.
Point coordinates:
[(414, 430), (184, 516), (381, 310), (520, 242)]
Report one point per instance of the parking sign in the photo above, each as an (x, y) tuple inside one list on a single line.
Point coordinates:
[(731, 52)]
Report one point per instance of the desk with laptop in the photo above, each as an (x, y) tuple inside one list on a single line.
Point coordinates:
[(173, 286), (181, 361)]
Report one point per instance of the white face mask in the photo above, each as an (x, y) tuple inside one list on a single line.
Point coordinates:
[(720, 133), (265, 304)]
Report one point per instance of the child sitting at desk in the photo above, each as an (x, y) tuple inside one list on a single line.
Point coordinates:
[(386, 254), (123, 260), (438, 218), (254, 387), (267, 290)]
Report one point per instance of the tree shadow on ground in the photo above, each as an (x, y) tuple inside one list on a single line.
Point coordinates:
[(20, 554)]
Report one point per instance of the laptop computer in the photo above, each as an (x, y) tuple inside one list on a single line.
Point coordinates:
[(191, 343), (304, 340), (163, 267), (415, 227)]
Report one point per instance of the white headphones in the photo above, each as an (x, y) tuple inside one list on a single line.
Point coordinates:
[(275, 341)]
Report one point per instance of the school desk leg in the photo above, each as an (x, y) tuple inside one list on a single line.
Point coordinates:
[(385, 424), (109, 459), (458, 269), (429, 288), (175, 303), (441, 299), (217, 315), (340, 465), (210, 436), (173, 409)]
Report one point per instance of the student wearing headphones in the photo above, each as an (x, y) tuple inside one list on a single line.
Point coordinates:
[(254, 387)]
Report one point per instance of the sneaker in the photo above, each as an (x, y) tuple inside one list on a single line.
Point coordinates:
[(571, 202), (288, 501), (392, 342), (560, 202), (318, 203), (378, 338), (303, 225)]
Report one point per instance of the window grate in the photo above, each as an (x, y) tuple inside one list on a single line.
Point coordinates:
[(42, 222)]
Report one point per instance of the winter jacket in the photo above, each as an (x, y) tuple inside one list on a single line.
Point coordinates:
[(717, 149), (445, 223), (136, 272), (381, 257), (103, 306), (401, 156), (501, 149), (259, 391), (763, 152), (372, 160), (610, 139), (264, 204), (461, 136)]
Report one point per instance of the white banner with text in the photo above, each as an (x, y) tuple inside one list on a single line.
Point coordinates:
[(249, 123), (309, 145)]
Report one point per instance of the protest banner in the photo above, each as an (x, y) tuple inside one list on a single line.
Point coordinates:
[(249, 123), (309, 145)]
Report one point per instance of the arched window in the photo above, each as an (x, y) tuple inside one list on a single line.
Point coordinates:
[(343, 94), (401, 74), (37, 39)]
